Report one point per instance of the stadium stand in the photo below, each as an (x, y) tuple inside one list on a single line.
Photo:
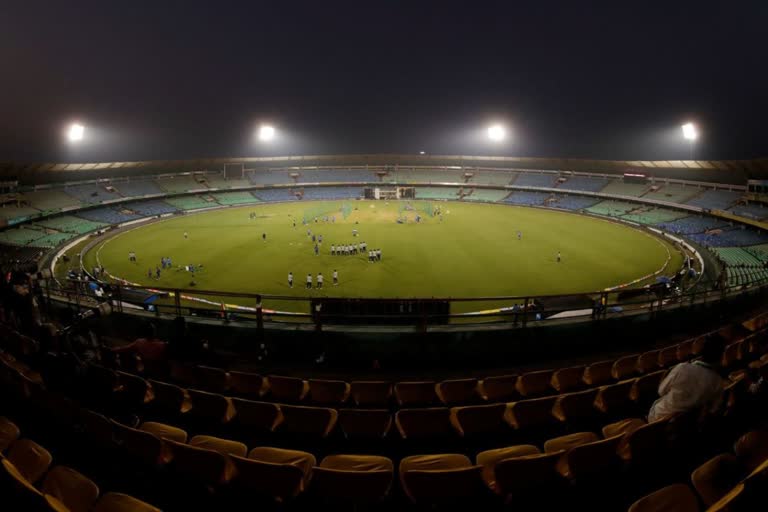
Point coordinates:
[(753, 211), (17, 253), (269, 177), (327, 176), (612, 208), (153, 207), (179, 184), (736, 256), (619, 188), (730, 237), (573, 202), (228, 198), (90, 193), (585, 183), (673, 193), (20, 236), (486, 195), (52, 240), (531, 179), (275, 194), (221, 182), (332, 193), (436, 193), (139, 188), (108, 215), (70, 224), (493, 177), (14, 214), (650, 215), (692, 224), (428, 176), (190, 202), (715, 199), (527, 198), (50, 200)]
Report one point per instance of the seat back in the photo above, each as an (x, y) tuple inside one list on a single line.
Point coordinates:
[(136, 390), (568, 379), (30, 459), (415, 393), (208, 467), (246, 384), (314, 421), (260, 416), (624, 367), (278, 481), (212, 379), (646, 388), (598, 373), (77, 492), (668, 356), (716, 477), (533, 384), (429, 422), (328, 392), (576, 406), (287, 389), (458, 391), (648, 361), (141, 445), (211, 406), (9, 432), (500, 388), (474, 420), (442, 486), (371, 393), (118, 502), (365, 423), (217, 444), (533, 413), (519, 474), (168, 397), (351, 486), (676, 497), (594, 459), (614, 397)]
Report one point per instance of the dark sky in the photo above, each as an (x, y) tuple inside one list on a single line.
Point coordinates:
[(574, 78)]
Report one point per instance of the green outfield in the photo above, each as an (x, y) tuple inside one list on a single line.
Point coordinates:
[(473, 251)]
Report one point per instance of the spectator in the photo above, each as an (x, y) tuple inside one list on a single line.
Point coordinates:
[(152, 350), (692, 385)]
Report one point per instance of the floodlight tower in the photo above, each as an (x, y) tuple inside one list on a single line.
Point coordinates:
[(690, 133)]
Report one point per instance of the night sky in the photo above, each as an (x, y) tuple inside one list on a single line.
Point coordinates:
[(185, 79)]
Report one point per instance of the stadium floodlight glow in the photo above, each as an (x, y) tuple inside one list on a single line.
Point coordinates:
[(690, 132), (266, 133), (497, 132), (75, 132), (421, 152)]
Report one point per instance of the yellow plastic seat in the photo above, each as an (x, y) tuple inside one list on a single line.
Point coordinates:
[(211, 407), (77, 492), (574, 407), (207, 467), (622, 427), (117, 502), (371, 393), (429, 422), (518, 475), (279, 481), (458, 391), (534, 384), (673, 498), (163, 431), (479, 420), (732, 354), (287, 389), (353, 478), (246, 384), (30, 459), (565, 380), (752, 449), (645, 445), (24, 495), (214, 380), (531, 414), (217, 444), (440, 479), (313, 421), (170, 399), (625, 367), (415, 393), (365, 423), (597, 374), (499, 388), (614, 398), (648, 362), (136, 391), (569, 441), (646, 388), (591, 460), (305, 461), (716, 477), (257, 416), (9, 433), (142, 445), (328, 392), (489, 458)]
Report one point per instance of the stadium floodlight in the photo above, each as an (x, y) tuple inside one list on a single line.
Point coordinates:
[(497, 132), (690, 132), (422, 152), (266, 133), (75, 132)]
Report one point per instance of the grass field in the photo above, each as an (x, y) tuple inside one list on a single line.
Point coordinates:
[(472, 252)]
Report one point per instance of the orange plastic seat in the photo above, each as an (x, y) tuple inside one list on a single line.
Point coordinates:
[(592, 460), (353, 478), (684, 351), (215, 380), (415, 393), (279, 481), (598, 373), (77, 492), (752, 449), (142, 445), (365, 423), (9, 433), (489, 458), (24, 496), (519, 475), (565, 380), (287, 389), (313, 421), (211, 407), (328, 392), (258, 416), (117, 502), (673, 498), (716, 477), (204, 466), (424, 423), (370, 393), (646, 388), (531, 414), (500, 388), (302, 460), (30, 459), (184, 373), (569, 441), (648, 362), (440, 479), (668, 356), (479, 420), (163, 431), (534, 384), (614, 398), (625, 367), (575, 407), (136, 390), (170, 400), (458, 391), (246, 384), (622, 427), (217, 444)]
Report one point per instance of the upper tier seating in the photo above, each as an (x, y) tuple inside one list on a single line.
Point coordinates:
[(493, 177), (270, 178), (190, 202), (586, 183), (715, 199), (349, 176), (91, 193), (221, 182), (673, 193), (650, 215), (20, 236), (139, 188), (532, 179), (51, 199), (14, 214), (619, 188), (275, 194), (572, 202), (692, 224), (152, 207), (107, 215), (527, 198), (428, 176), (480, 194), (71, 224), (612, 208), (179, 184), (736, 256), (235, 198), (730, 237), (753, 211), (332, 193), (18, 253)]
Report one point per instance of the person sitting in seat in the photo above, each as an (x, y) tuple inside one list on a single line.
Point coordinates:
[(692, 385), (152, 350)]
